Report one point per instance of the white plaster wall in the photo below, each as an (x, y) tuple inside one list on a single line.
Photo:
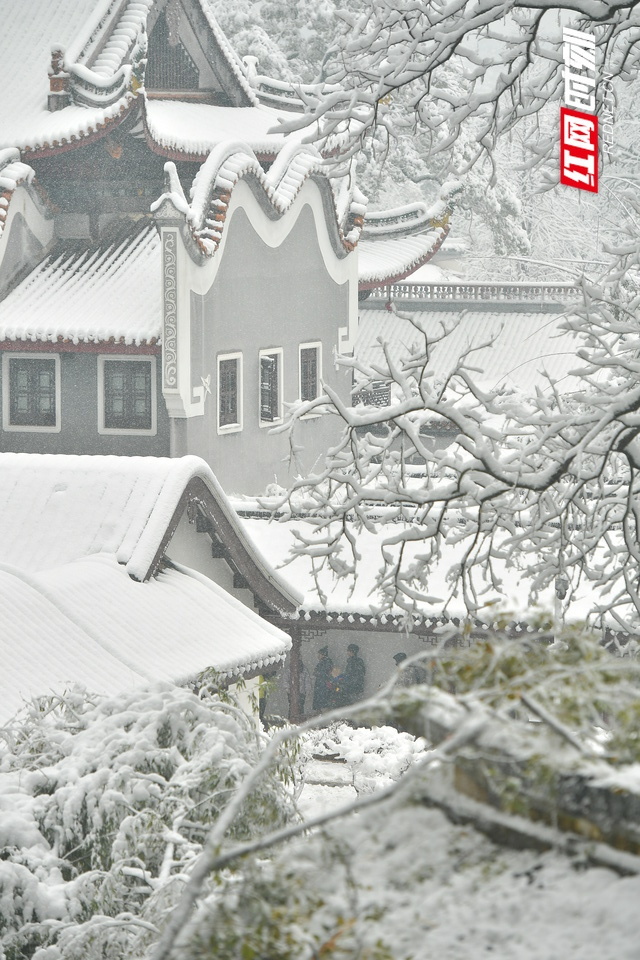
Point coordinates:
[(193, 549)]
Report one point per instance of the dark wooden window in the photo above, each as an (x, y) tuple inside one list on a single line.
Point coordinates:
[(309, 373), (270, 386), (32, 392), (169, 66), (127, 395), (229, 411)]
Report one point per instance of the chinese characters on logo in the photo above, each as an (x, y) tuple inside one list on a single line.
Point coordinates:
[(578, 121)]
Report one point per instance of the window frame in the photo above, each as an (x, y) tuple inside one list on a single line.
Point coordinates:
[(317, 345), (126, 431), (6, 392), (279, 354), (235, 427)]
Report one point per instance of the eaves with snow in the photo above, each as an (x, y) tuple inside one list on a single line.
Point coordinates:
[(77, 71), (91, 587)]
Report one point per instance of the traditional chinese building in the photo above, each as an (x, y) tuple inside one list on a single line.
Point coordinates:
[(174, 270)]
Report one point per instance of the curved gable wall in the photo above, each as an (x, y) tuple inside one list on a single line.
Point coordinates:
[(272, 284)]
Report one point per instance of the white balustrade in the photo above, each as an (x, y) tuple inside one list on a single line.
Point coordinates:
[(480, 291)]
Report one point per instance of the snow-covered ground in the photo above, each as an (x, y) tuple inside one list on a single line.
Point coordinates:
[(434, 889)]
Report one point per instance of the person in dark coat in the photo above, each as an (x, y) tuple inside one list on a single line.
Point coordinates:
[(412, 675), (353, 675), (322, 687)]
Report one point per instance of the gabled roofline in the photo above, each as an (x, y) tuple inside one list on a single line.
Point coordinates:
[(205, 216), (215, 517), (13, 174)]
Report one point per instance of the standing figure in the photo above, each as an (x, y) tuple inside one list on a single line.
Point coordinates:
[(322, 680), (353, 677), (410, 676)]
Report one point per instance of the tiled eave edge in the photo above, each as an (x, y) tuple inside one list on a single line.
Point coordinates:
[(186, 156), (409, 269), (265, 667), (63, 345), (229, 543), (430, 628), (95, 131)]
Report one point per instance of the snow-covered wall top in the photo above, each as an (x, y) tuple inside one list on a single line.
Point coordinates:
[(231, 162)]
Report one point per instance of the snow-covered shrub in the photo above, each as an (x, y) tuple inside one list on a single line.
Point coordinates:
[(575, 680), (105, 801)]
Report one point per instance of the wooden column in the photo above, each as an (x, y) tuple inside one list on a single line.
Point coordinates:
[(295, 669)]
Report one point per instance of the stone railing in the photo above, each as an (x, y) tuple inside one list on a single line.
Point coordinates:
[(490, 292)]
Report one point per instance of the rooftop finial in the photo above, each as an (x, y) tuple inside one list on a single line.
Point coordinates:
[(59, 94)]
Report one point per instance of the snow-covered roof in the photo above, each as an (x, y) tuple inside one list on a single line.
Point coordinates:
[(396, 242), (197, 128), (56, 508), (88, 622), (30, 29), (515, 348), (382, 262), (86, 292), (97, 38)]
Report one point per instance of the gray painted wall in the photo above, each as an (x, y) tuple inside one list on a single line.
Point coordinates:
[(79, 418), (263, 298)]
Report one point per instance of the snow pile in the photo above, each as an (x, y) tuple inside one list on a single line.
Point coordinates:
[(374, 757), (400, 881)]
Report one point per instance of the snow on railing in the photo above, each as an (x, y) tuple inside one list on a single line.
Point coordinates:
[(477, 291)]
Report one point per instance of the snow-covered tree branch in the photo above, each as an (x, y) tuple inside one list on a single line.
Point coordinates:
[(547, 484), (442, 67)]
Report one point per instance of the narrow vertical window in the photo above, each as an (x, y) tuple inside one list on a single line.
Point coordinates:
[(270, 386), (229, 393), (309, 372)]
